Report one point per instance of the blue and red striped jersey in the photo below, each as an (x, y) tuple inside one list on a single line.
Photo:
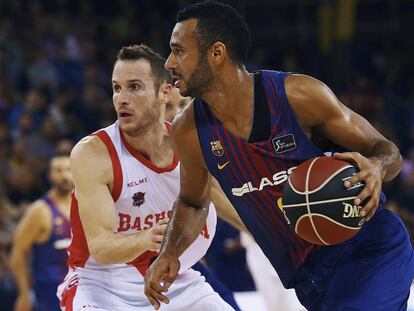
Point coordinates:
[(252, 174), (49, 258)]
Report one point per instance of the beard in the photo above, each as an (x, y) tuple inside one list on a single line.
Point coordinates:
[(145, 121), (200, 80), (64, 188)]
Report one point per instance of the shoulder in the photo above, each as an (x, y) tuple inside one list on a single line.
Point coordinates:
[(88, 146), (184, 136), (311, 99), (303, 87), (90, 158), (184, 127), (184, 120), (37, 214)]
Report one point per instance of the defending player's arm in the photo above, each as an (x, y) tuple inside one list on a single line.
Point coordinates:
[(225, 210), (31, 229), (93, 177), (320, 111), (189, 212)]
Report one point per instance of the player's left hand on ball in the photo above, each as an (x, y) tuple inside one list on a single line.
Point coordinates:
[(371, 174), (159, 277)]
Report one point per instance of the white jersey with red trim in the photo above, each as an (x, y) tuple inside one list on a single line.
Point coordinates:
[(143, 195)]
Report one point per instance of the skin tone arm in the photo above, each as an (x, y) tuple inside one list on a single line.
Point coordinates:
[(93, 178), (34, 228), (319, 111), (225, 209), (189, 212)]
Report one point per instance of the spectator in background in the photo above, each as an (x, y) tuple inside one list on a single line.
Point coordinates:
[(35, 105), (362, 99), (7, 287), (175, 105), (41, 73)]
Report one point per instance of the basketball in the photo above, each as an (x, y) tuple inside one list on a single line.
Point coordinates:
[(318, 206)]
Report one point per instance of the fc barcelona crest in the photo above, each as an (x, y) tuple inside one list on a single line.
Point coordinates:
[(216, 148), (138, 199)]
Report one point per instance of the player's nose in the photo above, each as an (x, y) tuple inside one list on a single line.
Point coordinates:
[(170, 62), (122, 98)]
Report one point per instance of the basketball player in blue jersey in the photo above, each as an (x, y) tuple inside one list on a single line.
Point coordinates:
[(250, 130), (44, 233)]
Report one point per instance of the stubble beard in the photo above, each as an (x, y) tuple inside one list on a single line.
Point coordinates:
[(146, 121), (200, 80), (63, 190)]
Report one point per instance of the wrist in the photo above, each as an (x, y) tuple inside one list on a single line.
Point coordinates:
[(169, 252), (381, 164)]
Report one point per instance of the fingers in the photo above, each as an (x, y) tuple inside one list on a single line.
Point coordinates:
[(368, 174), (155, 297), (153, 288), (370, 195), (352, 157), (163, 221), (171, 275), (160, 228)]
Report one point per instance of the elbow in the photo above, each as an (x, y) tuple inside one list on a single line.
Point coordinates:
[(16, 260), (398, 166), (98, 252), (99, 256)]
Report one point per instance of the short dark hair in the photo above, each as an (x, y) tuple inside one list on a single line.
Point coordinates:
[(142, 51), (219, 22)]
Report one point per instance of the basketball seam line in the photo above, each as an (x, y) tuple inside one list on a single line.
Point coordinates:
[(319, 202), (330, 219), (323, 184), (307, 199)]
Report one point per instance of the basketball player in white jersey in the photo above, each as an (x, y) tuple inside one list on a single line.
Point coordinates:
[(126, 178)]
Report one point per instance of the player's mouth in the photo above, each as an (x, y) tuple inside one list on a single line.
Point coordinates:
[(124, 115), (177, 80)]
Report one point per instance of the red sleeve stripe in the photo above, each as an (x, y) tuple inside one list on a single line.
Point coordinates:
[(116, 164)]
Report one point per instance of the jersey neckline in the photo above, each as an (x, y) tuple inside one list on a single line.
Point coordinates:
[(137, 155)]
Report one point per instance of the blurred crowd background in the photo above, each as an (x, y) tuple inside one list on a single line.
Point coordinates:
[(56, 59)]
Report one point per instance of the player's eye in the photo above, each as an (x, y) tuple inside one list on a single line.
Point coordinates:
[(177, 52), (135, 86)]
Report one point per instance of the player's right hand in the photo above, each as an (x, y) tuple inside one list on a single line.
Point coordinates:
[(159, 277), (154, 236), (23, 303)]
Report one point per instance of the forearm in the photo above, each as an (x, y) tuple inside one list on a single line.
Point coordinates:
[(109, 248), (226, 211), (19, 268), (390, 157), (184, 227)]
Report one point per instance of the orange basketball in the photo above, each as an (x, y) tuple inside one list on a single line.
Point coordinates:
[(319, 207)]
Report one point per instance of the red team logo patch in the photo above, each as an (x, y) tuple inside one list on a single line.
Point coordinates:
[(138, 199)]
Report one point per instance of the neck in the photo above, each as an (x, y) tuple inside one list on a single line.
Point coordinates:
[(151, 144), (62, 200), (231, 94)]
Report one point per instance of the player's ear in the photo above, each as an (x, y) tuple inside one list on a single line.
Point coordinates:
[(217, 53), (164, 93)]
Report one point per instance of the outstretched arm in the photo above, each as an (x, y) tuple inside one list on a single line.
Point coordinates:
[(319, 111), (93, 178)]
